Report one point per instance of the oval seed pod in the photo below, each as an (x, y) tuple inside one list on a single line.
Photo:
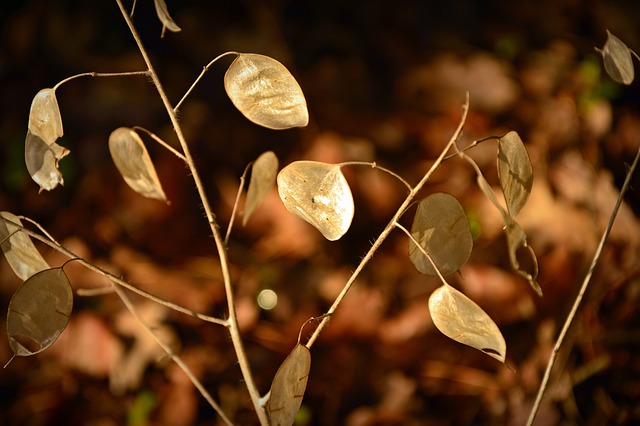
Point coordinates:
[(265, 92), (462, 320), (617, 60), (441, 228), (134, 164), (318, 193), (45, 120), (39, 311)]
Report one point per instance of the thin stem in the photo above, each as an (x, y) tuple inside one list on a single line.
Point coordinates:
[(390, 226), (583, 289), (127, 302), (423, 251), (100, 74), (88, 292), (234, 330), (40, 227), (161, 142), (204, 70), (61, 249), (471, 145), (243, 178), (374, 165)]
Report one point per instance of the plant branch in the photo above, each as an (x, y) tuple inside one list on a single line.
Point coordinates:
[(243, 178), (100, 74), (423, 251), (391, 225), (161, 142), (132, 309), (374, 165), (61, 249), (204, 70), (471, 145), (581, 293), (234, 330)]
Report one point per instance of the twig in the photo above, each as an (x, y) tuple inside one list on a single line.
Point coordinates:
[(243, 178), (204, 70), (234, 329), (61, 249), (579, 297), (391, 225), (100, 74), (127, 302), (375, 165), (161, 142), (423, 251)]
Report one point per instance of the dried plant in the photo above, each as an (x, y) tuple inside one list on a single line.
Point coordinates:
[(266, 93)]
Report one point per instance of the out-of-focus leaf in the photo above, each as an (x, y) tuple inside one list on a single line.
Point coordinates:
[(515, 172), (134, 164), (44, 117), (39, 311), (516, 194), (617, 60), (42, 161), (265, 92), (318, 193), (165, 18), (287, 389), (21, 254), (263, 176), (516, 238), (462, 320), (442, 229)]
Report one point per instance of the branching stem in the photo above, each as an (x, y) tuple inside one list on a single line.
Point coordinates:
[(391, 225), (161, 142), (234, 330), (204, 71), (374, 165), (423, 251), (100, 74), (61, 249), (243, 179), (185, 368)]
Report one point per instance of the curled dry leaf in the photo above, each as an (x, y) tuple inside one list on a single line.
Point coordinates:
[(165, 18), (42, 161), (263, 176), (21, 254), (617, 60), (318, 193), (44, 117), (442, 229), (462, 320), (265, 92), (39, 311), (516, 237), (287, 389), (515, 172), (134, 164)]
